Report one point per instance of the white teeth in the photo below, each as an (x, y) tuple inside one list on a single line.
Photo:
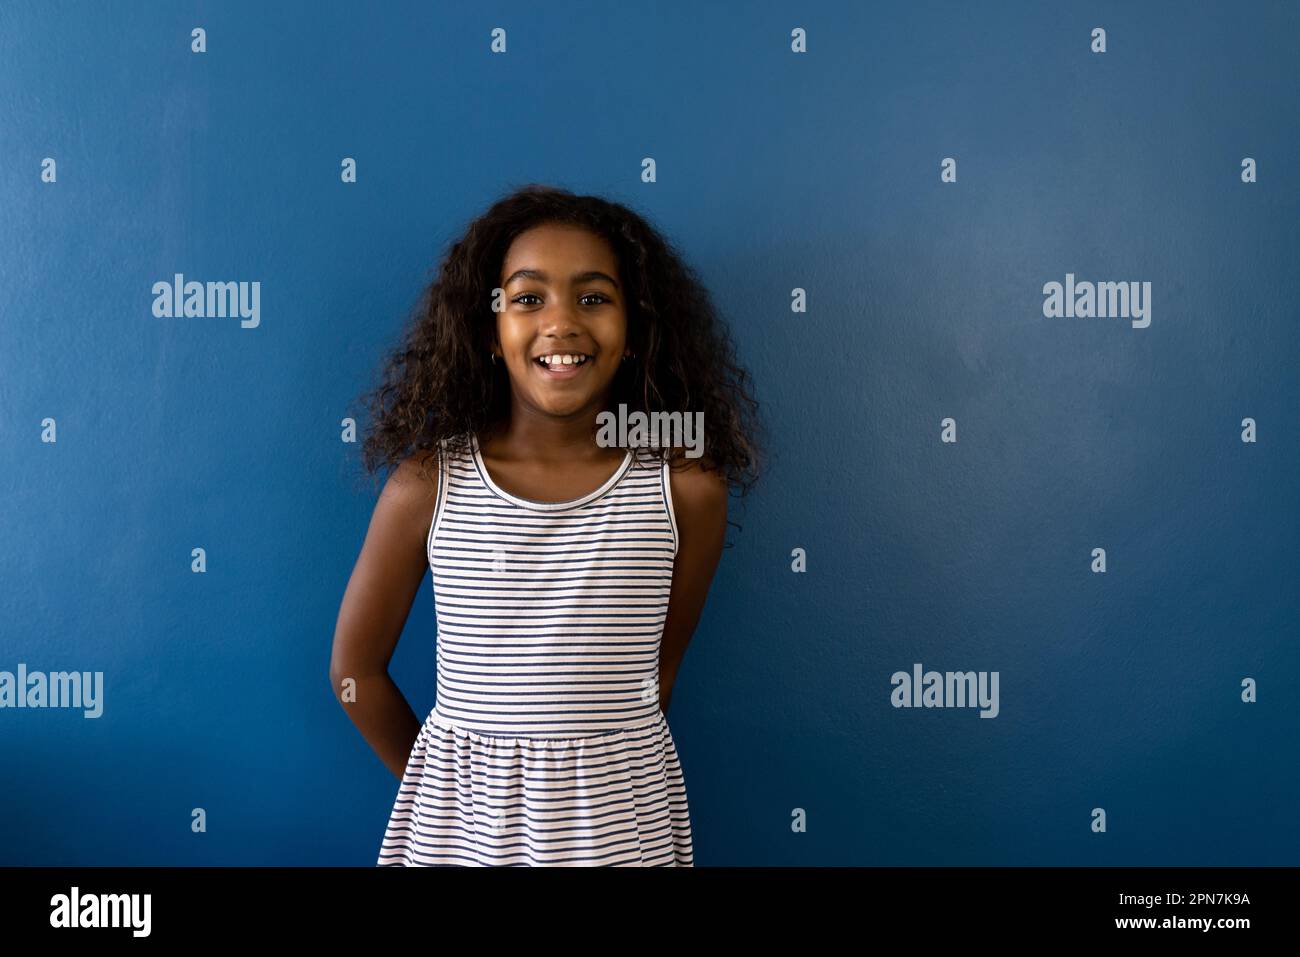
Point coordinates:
[(562, 359)]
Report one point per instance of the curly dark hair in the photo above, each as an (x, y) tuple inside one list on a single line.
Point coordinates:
[(439, 384)]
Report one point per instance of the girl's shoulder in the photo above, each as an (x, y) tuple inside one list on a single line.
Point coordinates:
[(427, 460), (415, 478), (698, 486)]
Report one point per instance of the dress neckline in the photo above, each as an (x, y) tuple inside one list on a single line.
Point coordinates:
[(529, 503)]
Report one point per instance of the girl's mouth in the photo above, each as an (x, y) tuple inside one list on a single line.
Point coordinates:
[(562, 365)]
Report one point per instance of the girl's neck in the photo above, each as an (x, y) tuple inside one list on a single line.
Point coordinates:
[(545, 437)]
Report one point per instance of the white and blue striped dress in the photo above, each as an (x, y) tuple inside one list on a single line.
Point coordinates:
[(546, 745)]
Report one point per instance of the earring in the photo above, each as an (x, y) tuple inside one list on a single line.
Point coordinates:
[(494, 357)]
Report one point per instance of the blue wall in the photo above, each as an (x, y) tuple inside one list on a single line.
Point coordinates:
[(776, 170)]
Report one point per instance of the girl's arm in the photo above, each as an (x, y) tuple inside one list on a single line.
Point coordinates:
[(700, 509), (378, 598)]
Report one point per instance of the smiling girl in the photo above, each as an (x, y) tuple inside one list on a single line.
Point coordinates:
[(568, 576)]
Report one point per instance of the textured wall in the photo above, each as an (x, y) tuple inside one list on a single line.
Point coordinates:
[(775, 170)]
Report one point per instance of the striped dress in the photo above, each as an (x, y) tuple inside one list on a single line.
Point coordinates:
[(546, 745)]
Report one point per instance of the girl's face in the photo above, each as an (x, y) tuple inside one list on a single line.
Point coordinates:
[(563, 303)]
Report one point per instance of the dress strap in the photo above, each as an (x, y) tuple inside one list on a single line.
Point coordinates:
[(444, 487)]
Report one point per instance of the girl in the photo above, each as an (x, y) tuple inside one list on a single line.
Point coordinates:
[(568, 575)]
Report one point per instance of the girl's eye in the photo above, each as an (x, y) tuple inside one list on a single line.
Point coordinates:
[(530, 295)]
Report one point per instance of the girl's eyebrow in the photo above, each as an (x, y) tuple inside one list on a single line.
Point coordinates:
[(541, 276)]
